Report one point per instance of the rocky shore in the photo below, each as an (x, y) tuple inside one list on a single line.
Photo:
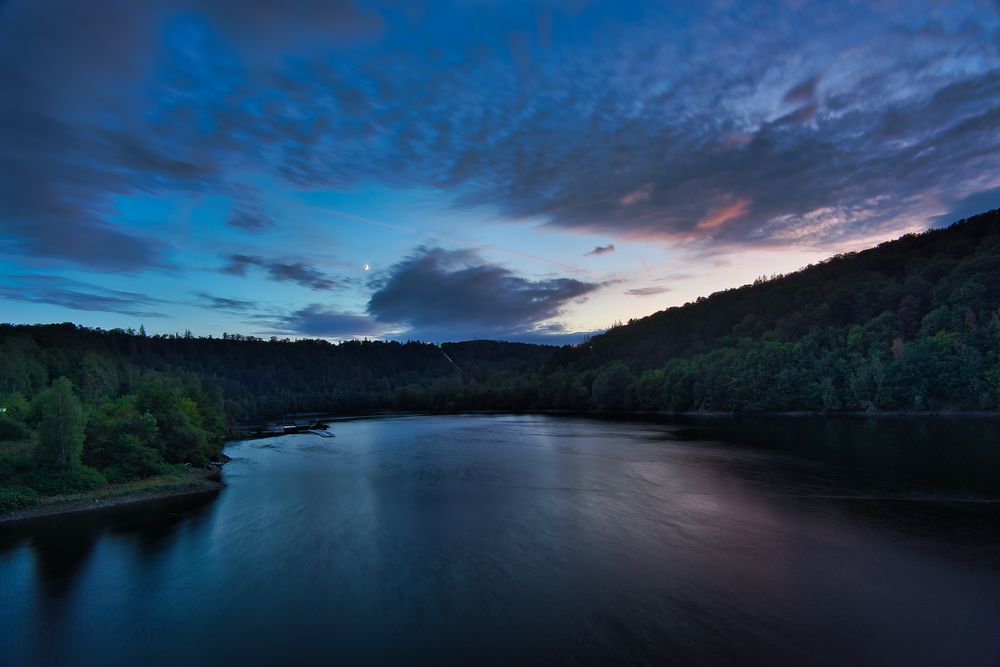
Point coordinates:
[(192, 482)]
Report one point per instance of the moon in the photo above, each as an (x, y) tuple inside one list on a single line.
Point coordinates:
[(366, 267)]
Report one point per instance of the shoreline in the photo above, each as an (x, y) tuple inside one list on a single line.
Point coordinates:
[(332, 417), (193, 483)]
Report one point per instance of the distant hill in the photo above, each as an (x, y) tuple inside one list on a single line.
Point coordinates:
[(911, 324)]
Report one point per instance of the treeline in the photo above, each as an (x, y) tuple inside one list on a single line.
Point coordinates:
[(254, 378), (912, 324)]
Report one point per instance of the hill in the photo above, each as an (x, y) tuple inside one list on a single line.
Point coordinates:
[(911, 324)]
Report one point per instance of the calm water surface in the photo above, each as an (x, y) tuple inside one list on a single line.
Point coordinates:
[(537, 540)]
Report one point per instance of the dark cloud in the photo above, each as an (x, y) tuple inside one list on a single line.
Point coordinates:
[(304, 274), (640, 147), (647, 291), (284, 25), (77, 295), (449, 295), (987, 200), (227, 304), (602, 249), (317, 320), (802, 92), (249, 218), (60, 165)]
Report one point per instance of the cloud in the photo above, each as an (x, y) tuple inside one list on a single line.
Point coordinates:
[(455, 294), (647, 291), (723, 213), (304, 274), (87, 118), (317, 320), (60, 163), (227, 304), (803, 92), (637, 196), (250, 216), (77, 295), (602, 249), (978, 202), (287, 25)]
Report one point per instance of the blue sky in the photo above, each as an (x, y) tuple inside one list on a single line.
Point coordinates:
[(527, 171)]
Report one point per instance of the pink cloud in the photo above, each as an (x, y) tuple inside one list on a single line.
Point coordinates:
[(721, 214), (636, 196)]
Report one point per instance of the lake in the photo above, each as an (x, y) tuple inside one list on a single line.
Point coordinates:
[(542, 540)]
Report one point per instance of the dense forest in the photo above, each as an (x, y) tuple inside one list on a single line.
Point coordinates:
[(910, 325)]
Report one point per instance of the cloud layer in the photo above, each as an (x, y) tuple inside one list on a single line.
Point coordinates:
[(78, 295), (687, 122)]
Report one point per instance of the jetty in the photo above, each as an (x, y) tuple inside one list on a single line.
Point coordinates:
[(272, 429)]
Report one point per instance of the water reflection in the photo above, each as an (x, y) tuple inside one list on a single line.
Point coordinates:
[(62, 545), (536, 540)]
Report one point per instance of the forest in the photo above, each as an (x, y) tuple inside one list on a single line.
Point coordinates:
[(910, 325)]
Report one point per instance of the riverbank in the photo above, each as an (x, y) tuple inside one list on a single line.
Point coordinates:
[(155, 488)]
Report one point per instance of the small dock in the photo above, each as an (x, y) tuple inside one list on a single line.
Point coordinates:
[(271, 429)]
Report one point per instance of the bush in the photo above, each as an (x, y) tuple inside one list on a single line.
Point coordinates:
[(16, 497), (11, 429)]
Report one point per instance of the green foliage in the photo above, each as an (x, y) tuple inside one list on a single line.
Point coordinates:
[(14, 406), (182, 436), (20, 368), (11, 429), (61, 431), (48, 482), (122, 438), (611, 386), (17, 497), (97, 377)]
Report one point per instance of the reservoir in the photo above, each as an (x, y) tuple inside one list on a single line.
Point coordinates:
[(513, 539)]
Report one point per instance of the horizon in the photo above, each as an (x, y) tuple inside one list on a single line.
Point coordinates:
[(542, 340), (441, 172)]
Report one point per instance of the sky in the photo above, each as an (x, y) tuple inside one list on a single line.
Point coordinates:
[(458, 170)]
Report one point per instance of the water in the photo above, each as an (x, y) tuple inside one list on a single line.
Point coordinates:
[(537, 540)]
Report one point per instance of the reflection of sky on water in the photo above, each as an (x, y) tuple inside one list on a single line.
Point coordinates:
[(509, 538)]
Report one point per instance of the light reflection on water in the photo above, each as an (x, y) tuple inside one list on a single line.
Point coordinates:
[(528, 539)]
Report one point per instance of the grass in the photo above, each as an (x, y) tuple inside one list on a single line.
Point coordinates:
[(157, 484)]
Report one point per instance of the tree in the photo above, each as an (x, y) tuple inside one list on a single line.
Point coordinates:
[(610, 386), (122, 438), (182, 438), (61, 432)]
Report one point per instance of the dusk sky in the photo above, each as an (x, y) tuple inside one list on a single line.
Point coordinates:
[(446, 171)]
